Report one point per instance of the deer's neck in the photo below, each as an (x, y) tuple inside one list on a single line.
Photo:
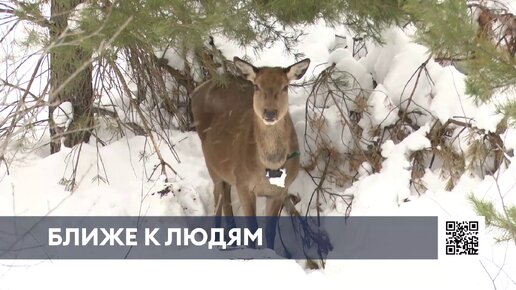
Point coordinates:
[(272, 142)]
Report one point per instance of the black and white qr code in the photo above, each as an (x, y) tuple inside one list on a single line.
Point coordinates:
[(462, 237)]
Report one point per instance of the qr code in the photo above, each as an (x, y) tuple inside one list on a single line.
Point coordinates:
[(462, 238)]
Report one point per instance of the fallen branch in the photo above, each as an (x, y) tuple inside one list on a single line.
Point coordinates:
[(135, 128)]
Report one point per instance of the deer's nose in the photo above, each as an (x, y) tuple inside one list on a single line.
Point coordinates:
[(270, 115)]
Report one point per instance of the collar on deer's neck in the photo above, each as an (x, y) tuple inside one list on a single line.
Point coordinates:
[(277, 176)]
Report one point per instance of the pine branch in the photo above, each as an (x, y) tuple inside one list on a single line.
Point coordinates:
[(36, 19), (183, 79)]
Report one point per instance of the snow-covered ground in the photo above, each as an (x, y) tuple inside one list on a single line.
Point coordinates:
[(113, 180)]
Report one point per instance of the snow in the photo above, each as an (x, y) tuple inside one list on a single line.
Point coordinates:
[(383, 111), (352, 71), (379, 59), (509, 138), (117, 179), (450, 101), (392, 181), (63, 114)]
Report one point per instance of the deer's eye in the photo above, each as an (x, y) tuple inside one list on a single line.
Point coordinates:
[(256, 88)]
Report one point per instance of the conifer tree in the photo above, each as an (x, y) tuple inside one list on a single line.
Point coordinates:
[(150, 24), (479, 37)]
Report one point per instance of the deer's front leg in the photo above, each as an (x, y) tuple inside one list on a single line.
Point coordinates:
[(273, 208), (248, 203)]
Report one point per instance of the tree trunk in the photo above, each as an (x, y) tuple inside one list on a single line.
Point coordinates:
[(66, 58)]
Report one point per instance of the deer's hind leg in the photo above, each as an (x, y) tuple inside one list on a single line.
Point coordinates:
[(218, 192), (227, 207), (222, 200)]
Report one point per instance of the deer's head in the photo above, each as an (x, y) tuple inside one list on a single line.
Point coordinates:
[(270, 100)]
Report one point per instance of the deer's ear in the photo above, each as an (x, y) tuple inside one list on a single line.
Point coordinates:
[(297, 70), (248, 70)]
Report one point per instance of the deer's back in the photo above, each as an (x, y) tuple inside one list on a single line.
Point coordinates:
[(223, 117)]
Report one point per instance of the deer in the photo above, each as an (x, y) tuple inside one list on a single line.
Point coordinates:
[(248, 138)]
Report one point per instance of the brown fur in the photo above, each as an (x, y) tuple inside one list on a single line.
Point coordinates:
[(238, 146)]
